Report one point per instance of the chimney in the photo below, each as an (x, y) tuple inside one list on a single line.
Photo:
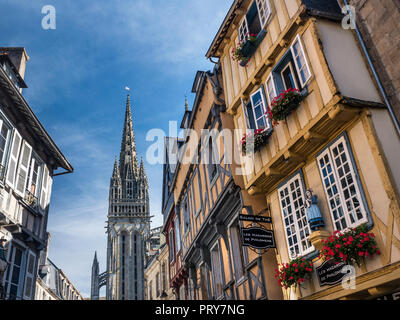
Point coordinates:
[(18, 57)]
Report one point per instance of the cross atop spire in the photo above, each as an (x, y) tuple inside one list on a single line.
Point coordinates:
[(128, 156)]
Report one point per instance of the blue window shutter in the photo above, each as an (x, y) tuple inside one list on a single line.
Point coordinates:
[(250, 116)]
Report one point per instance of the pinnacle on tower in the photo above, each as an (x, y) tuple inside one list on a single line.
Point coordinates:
[(128, 156), (116, 173)]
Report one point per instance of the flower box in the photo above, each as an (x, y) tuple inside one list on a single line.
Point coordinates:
[(246, 50), (351, 246), (284, 104), (258, 138), (294, 273)]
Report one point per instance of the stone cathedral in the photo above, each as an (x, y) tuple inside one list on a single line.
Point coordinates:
[(128, 224)]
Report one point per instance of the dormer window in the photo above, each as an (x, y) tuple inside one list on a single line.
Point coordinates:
[(255, 19)]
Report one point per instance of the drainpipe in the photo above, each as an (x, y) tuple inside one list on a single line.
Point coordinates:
[(385, 97)]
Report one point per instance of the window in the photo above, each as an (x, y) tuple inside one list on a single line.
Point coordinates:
[(264, 11), (171, 246), (211, 163), (217, 271), (271, 92), (177, 235), (300, 61), (34, 176), (13, 160), (291, 197), (5, 134), (255, 20), (292, 71), (14, 277), (186, 218), (243, 31), (29, 276), (256, 111), (288, 77), (237, 251), (341, 188)]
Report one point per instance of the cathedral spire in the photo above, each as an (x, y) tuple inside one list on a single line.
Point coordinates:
[(128, 156)]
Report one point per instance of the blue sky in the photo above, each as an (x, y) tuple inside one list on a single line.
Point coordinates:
[(76, 77)]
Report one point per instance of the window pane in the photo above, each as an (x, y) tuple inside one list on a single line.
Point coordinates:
[(343, 188), (292, 205)]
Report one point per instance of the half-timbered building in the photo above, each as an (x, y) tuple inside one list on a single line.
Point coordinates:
[(338, 140), (208, 201)]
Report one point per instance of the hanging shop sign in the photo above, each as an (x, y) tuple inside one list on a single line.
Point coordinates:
[(392, 296), (258, 238), (330, 273), (251, 218)]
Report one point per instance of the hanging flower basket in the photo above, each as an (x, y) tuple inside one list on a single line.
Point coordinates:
[(285, 103), (351, 246), (258, 138), (245, 49), (294, 273)]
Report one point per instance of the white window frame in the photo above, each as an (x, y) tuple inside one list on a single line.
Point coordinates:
[(13, 158), (264, 107), (353, 171), (7, 143), (266, 6), (295, 224), (243, 30), (29, 275), (290, 66), (13, 247), (23, 168), (270, 95), (35, 159), (45, 189), (298, 40)]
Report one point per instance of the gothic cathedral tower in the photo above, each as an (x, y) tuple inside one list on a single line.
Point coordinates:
[(128, 224)]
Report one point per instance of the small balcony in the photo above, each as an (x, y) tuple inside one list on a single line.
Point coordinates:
[(31, 200)]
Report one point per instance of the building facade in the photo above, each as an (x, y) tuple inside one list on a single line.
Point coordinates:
[(53, 284), (208, 201), (178, 276), (157, 274), (338, 140), (29, 160), (128, 225)]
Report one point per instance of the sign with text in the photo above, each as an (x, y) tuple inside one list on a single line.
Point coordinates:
[(258, 238), (330, 273), (250, 218)]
